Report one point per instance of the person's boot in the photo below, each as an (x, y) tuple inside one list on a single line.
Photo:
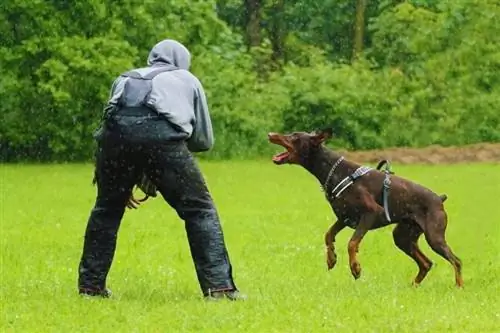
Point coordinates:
[(232, 295), (104, 293)]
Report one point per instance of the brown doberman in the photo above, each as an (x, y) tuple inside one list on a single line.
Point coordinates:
[(365, 198)]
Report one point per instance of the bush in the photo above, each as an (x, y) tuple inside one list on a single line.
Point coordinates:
[(429, 77)]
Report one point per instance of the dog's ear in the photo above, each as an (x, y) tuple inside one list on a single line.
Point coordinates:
[(322, 135)]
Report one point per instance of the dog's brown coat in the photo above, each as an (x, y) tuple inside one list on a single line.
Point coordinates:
[(414, 209)]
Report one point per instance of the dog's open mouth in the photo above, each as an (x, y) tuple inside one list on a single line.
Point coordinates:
[(281, 158)]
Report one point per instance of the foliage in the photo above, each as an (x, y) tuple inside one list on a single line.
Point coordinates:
[(428, 74)]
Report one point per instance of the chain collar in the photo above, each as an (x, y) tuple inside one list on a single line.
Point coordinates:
[(334, 166)]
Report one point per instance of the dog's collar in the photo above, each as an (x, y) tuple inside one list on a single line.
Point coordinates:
[(332, 170)]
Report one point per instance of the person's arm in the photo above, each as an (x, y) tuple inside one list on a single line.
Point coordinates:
[(108, 108), (112, 99), (202, 138)]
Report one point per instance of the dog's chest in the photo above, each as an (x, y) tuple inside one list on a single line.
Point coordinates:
[(344, 212)]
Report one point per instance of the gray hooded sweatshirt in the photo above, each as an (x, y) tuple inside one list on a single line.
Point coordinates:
[(176, 94)]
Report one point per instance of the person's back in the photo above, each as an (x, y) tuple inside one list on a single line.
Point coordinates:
[(155, 118), (167, 87)]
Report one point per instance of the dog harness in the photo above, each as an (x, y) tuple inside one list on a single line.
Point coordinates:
[(387, 185), (349, 180), (358, 173)]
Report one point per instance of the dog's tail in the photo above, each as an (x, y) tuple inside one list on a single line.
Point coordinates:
[(382, 163), (387, 166), (443, 197)]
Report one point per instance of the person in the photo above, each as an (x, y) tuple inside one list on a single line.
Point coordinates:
[(156, 117)]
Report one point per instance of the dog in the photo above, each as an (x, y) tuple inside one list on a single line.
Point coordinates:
[(364, 199)]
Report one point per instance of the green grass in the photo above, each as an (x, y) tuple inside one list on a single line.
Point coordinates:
[(274, 219)]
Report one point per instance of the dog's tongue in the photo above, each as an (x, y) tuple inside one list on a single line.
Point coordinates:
[(280, 157)]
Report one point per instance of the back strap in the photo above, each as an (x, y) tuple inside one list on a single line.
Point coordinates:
[(136, 75)]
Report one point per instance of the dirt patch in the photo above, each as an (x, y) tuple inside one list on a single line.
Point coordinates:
[(484, 152)]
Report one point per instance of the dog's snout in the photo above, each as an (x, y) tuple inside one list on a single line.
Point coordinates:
[(276, 138), (273, 136)]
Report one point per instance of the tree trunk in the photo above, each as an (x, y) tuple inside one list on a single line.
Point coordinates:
[(359, 28), (278, 31), (253, 8)]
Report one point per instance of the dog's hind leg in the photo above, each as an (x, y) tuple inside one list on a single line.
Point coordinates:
[(435, 236), (405, 237), (331, 256)]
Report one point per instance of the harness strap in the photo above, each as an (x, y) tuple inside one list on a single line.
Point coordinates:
[(349, 180), (346, 182), (111, 110), (136, 75), (386, 186)]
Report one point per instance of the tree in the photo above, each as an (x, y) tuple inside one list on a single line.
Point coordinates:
[(359, 28), (278, 30), (253, 16)]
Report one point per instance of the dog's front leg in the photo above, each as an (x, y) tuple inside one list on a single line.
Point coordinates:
[(331, 256), (365, 223)]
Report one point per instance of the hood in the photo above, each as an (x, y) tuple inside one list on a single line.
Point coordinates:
[(171, 52)]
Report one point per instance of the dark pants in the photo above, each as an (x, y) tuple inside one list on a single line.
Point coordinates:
[(172, 168)]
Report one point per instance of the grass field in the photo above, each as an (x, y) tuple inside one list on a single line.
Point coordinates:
[(274, 219)]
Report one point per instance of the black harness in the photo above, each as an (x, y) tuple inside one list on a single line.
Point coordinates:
[(358, 173), (110, 110)]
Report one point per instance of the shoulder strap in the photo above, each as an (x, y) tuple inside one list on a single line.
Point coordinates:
[(136, 75)]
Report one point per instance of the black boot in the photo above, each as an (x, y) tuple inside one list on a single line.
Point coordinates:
[(104, 293), (232, 295)]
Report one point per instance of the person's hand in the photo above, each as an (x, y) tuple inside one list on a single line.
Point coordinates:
[(134, 203), (147, 187)]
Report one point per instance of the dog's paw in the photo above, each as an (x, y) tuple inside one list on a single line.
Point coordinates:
[(331, 263), (356, 270), (331, 258)]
